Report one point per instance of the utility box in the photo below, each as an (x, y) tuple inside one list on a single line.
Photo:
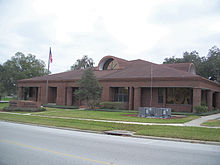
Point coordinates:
[(154, 112)]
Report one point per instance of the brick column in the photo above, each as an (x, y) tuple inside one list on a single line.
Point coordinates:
[(20, 92), (105, 93), (137, 98), (69, 96), (196, 97), (131, 98), (164, 97), (43, 94), (209, 99), (217, 100), (61, 92), (111, 94), (39, 94)]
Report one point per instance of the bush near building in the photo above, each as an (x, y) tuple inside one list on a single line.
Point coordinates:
[(201, 109), (112, 105)]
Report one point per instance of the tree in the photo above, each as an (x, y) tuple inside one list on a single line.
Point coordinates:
[(212, 64), (83, 63), (208, 67), (187, 58), (2, 90), (89, 89), (20, 67), (192, 57)]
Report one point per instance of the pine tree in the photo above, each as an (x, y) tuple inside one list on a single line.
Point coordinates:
[(89, 89)]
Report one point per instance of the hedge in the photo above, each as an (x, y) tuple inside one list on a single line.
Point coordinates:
[(112, 105)]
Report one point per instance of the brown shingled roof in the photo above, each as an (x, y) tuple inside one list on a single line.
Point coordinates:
[(70, 75), (143, 69), (132, 69), (179, 66)]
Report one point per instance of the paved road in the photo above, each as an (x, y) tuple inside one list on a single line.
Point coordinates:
[(25, 144)]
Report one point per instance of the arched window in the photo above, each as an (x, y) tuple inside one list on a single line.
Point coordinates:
[(110, 64)]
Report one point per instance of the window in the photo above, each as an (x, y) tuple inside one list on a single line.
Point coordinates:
[(32, 92), (179, 96), (110, 64), (121, 94), (160, 95)]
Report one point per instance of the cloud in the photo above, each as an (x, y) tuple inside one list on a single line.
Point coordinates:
[(95, 44), (135, 29), (184, 10)]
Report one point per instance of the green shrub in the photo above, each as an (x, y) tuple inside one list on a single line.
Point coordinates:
[(201, 109), (10, 109), (203, 103), (216, 109), (112, 105)]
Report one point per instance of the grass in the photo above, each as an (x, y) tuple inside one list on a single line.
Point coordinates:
[(212, 123), (8, 98), (106, 115), (196, 133), (2, 105)]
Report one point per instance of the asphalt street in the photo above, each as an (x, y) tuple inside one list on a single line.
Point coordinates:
[(32, 145)]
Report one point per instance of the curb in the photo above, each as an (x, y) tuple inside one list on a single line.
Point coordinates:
[(132, 136), (178, 140)]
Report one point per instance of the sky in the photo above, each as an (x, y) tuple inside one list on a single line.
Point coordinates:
[(128, 29)]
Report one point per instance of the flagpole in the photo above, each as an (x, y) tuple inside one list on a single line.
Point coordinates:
[(48, 76)]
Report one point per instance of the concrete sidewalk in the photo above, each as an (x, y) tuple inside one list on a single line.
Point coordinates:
[(199, 121)]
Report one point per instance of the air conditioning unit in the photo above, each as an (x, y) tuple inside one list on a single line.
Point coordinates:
[(154, 112)]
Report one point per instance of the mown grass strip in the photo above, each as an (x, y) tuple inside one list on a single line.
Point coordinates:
[(194, 133), (2, 105), (116, 116), (212, 123)]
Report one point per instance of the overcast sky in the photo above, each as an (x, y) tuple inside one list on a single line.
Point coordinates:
[(131, 29)]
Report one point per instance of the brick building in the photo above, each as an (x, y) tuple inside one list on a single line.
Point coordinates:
[(136, 83)]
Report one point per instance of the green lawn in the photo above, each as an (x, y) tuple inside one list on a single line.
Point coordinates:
[(2, 105), (105, 115), (212, 123), (8, 98), (196, 133)]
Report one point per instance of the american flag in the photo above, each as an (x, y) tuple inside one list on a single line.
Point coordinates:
[(50, 56)]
